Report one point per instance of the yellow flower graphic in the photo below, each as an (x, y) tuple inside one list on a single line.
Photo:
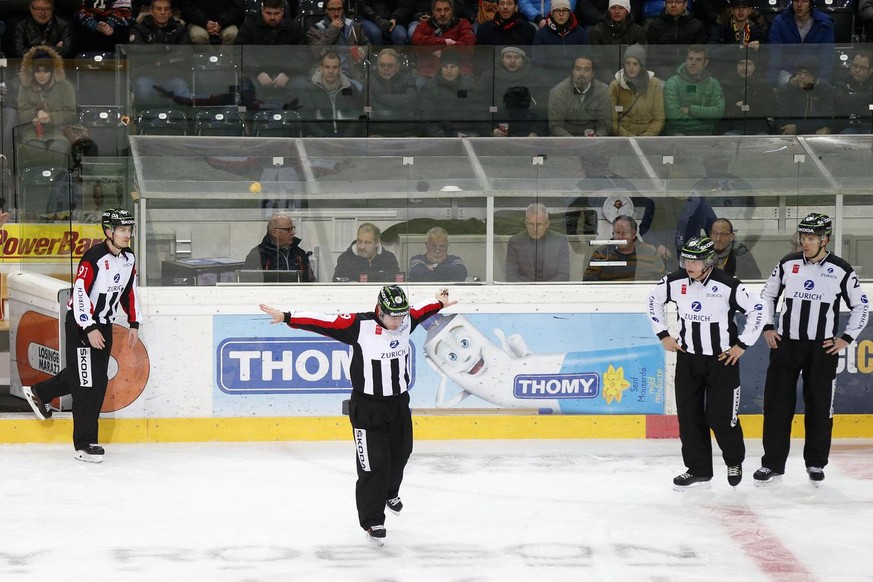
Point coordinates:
[(614, 384)]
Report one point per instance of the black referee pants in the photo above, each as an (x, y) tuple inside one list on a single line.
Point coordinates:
[(708, 397), (790, 360), (85, 377), (382, 430)]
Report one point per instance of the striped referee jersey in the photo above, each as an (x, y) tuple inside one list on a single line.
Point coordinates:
[(103, 280), (707, 311), (811, 295), (380, 357)]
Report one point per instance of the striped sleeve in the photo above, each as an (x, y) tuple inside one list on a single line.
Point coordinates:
[(342, 327)]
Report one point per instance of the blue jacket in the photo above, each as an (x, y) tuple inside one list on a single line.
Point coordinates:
[(784, 31)]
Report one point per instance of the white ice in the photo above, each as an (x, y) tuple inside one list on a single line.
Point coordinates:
[(473, 510)]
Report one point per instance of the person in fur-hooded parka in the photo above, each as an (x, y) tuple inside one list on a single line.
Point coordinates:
[(45, 96)]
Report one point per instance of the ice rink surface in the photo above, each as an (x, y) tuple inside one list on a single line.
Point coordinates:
[(473, 510)]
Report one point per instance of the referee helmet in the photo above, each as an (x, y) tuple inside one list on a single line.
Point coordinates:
[(815, 223), (393, 302), (698, 248)]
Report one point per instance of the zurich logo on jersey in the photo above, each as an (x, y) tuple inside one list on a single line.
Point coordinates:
[(696, 306), (715, 288), (830, 269), (117, 277), (394, 343), (864, 299), (759, 307), (808, 285), (83, 317)]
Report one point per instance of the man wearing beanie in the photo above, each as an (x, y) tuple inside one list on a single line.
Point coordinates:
[(617, 26), (536, 10), (591, 12), (508, 27)]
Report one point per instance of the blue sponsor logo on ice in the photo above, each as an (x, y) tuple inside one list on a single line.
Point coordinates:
[(557, 386), (284, 366)]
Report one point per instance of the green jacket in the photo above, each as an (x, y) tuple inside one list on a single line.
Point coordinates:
[(704, 99)]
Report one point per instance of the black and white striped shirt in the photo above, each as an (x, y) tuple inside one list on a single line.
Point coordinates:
[(103, 281), (380, 357), (706, 311), (812, 294)]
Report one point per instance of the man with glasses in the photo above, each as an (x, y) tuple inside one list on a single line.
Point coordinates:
[(436, 264), (42, 27), (730, 256), (852, 94), (537, 253), (280, 250), (536, 10)]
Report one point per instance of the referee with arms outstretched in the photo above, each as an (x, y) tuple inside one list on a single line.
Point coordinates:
[(803, 339), (709, 346), (379, 406)]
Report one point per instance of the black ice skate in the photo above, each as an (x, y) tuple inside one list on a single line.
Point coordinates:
[(42, 410), (816, 476), (734, 475), (687, 481), (765, 476), (90, 454), (376, 535), (394, 505)]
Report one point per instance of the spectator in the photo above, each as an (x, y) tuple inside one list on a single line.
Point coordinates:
[(852, 94), (268, 83), (642, 261), (748, 99), (485, 12), (393, 97), (513, 69), (451, 105), (436, 264), (508, 27), (42, 27), (637, 97), (159, 28), (676, 26), (865, 13), (332, 106), (590, 13), (343, 35), (693, 99), (45, 97), (800, 23), (385, 21), (579, 105), (536, 10), (730, 256), (516, 118), (106, 23), (737, 28), (213, 21), (537, 253), (366, 259), (806, 103), (280, 250), (617, 26), (556, 43), (441, 30)]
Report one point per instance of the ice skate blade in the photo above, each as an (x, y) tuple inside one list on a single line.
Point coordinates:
[(815, 484), (82, 456), (701, 485), (378, 542), (771, 481)]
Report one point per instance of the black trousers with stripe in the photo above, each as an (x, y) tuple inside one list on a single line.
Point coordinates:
[(382, 430), (85, 378), (708, 397), (789, 361)]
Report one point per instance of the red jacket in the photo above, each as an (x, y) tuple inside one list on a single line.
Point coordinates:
[(426, 34)]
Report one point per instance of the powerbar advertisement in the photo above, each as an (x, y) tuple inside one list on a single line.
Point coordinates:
[(547, 363)]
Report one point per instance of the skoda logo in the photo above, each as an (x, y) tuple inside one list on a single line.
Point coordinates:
[(696, 306), (808, 285)]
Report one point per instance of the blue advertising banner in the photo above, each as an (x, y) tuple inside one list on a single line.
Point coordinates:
[(546, 362)]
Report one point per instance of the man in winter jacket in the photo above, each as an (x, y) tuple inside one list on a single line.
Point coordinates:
[(443, 29), (800, 24), (508, 27), (280, 250), (366, 260), (42, 27), (693, 99), (332, 106), (580, 105), (385, 21), (852, 92), (167, 66), (732, 257), (343, 35), (806, 103), (617, 26)]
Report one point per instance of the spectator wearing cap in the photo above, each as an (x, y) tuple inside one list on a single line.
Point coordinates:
[(579, 105), (637, 97), (852, 93), (443, 29), (806, 102), (748, 98), (536, 10), (513, 69), (451, 105), (590, 13), (508, 27), (693, 99), (555, 43), (737, 27), (618, 27), (800, 23)]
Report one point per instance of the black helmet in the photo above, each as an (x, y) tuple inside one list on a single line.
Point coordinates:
[(117, 217), (393, 301), (698, 248), (815, 223)]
